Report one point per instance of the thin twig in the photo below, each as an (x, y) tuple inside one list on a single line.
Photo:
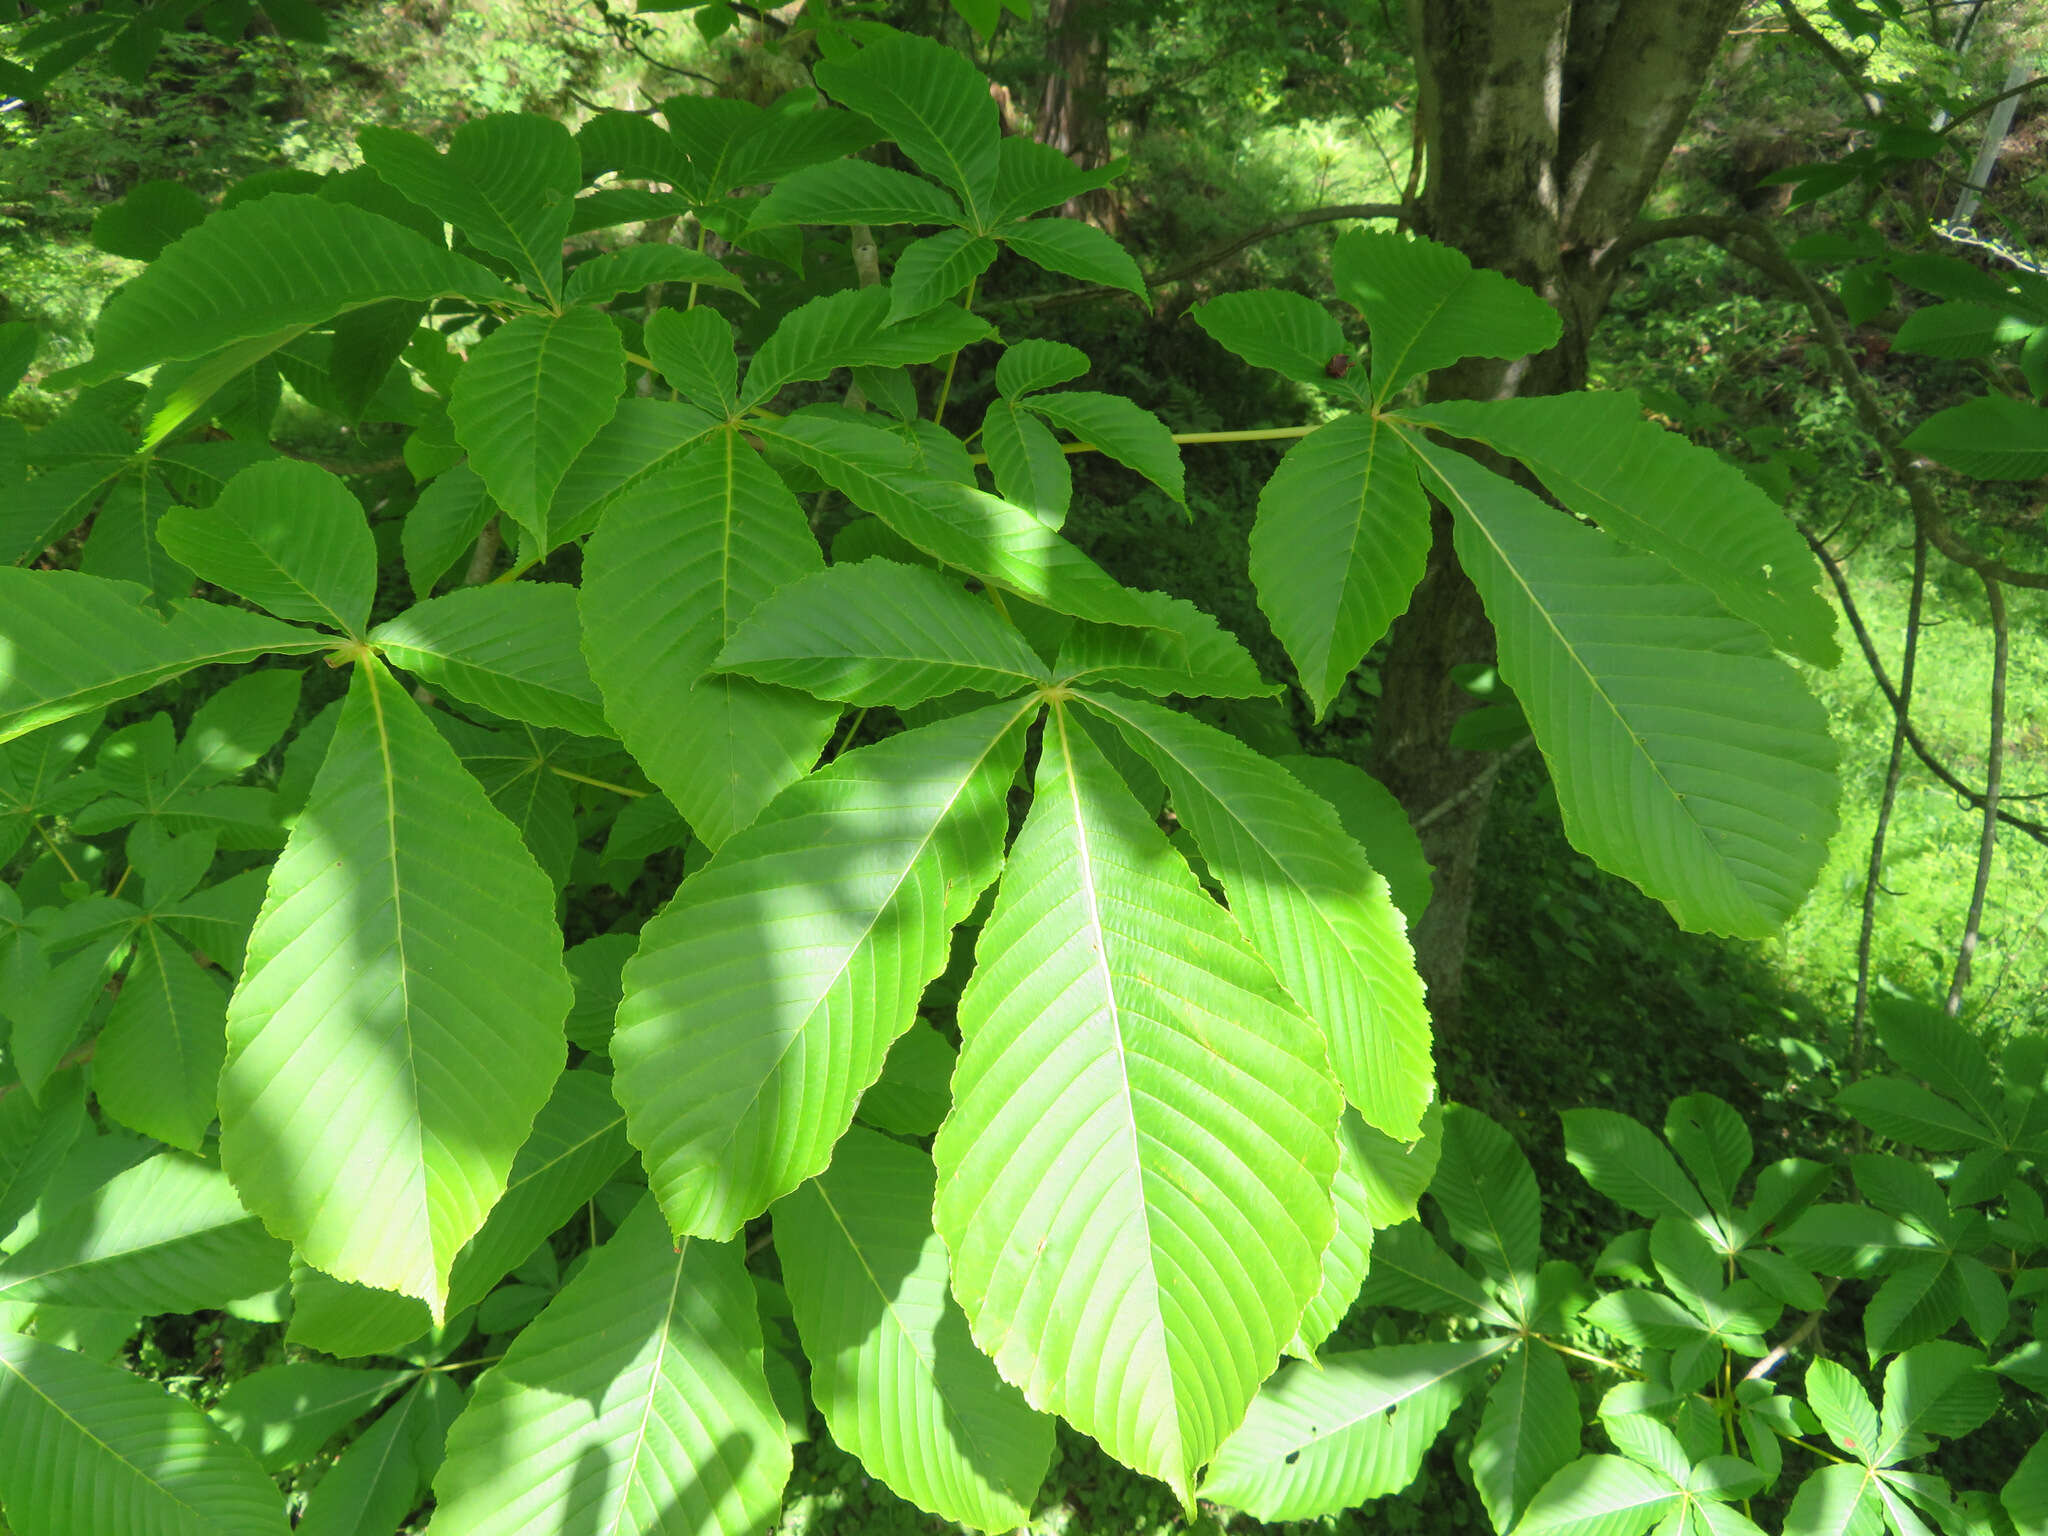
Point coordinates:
[(1808, 1326), (1994, 765), (69, 1059), (1974, 798), (1875, 420), (1873, 878), (1838, 61), (484, 558), (1479, 783)]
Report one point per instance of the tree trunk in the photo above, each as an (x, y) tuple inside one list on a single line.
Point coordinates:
[(1546, 123), (1072, 109)]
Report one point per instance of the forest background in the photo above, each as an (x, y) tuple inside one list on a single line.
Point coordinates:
[(1249, 132)]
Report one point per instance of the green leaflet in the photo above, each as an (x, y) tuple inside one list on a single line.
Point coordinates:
[(34, 1136), (1031, 365), (998, 544), (1187, 652), (443, 526), (1428, 306), (932, 270), (1114, 426), (1355, 1191), (1341, 538), (274, 266), (285, 1413), (507, 182), (933, 103), (1600, 1496), (46, 676), (1687, 758), (893, 1369), (158, 1057), (764, 998), (1375, 820), (644, 439), (855, 192), (693, 350), (1031, 176), (877, 632), (1324, 1436), (1993, 437), (1306, 899), (375, 1483), (1075, 249), (1656, 492), (1136, 1092), (636, 1400), (400, 1018), (287, 536), (1030, 469), (578, 1143), (1530, 1430), (1286, 332), (511, 649), (604, 278), (90, 1447), (851, 329), (532, 396), (679, 561), (1487, 1192), (167, 1235)]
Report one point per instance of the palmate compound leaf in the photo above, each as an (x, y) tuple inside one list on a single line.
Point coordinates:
[(765, 997), (92, 1447), (1137, 1094), (289, 537), (877, 632), (1687, 758), (893, 1368), (511, 649), (1657, 492), (679, 561), (46, 674), (272, 267), (1341, 538), (166, 1235), (399, 1021), (1306, 898), (635, 1402), (1325, 1436)]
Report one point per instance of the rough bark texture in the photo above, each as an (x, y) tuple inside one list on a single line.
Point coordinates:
[(1071, 109), (1547, 123)]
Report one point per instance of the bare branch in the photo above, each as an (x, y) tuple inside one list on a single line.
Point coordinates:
[(1873, 878), (1975, 799), (1994, 764), (1797, 24), (1732, 233)]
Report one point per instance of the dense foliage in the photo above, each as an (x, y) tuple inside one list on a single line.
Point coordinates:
[(696, 955)]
